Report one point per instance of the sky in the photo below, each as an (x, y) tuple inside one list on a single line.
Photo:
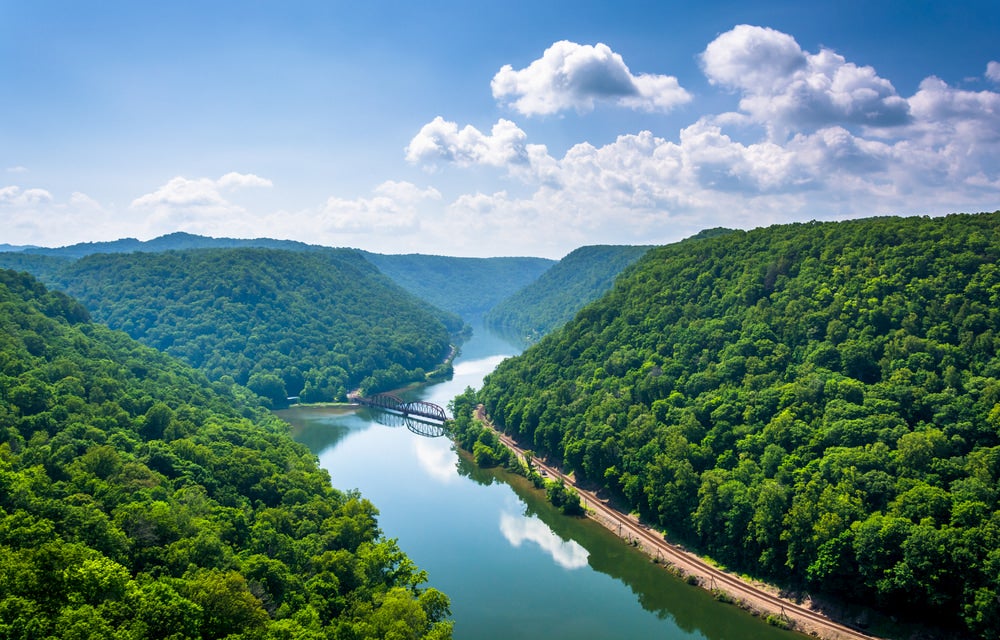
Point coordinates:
[(489, 128)]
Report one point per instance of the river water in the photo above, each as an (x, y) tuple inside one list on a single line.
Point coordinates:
[(513, 566)]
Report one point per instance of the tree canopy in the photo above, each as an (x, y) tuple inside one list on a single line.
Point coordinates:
[(816, 403), (569, 285), (466, 286), (140, 500), (314, 324)]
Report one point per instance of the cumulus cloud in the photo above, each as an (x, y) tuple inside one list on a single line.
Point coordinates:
[(14, 196), (198, 205), (993, 70), (199, 194), (392, 209), (440, 140), (788, 89), (575, 76), (36, 216)]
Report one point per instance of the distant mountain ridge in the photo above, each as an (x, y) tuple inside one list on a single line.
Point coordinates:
[(466, 286), (176, 241), (551, 300)]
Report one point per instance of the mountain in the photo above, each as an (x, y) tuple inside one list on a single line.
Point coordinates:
[(286, 323), (171, 242), (42, 267), (817, 404), (554, 298), (140, 500), (466, 286)]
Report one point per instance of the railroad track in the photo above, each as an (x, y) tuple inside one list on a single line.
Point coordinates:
[(728, 583)]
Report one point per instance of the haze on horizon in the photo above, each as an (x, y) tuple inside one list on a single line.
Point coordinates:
[(471, 130)]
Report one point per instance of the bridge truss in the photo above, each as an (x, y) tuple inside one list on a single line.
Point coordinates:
[(417, 409)]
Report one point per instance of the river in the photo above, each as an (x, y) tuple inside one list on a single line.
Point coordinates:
[(513, 566)]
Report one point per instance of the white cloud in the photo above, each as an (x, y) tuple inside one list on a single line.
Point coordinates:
[(815, 137), (568, 554), (440, 463), (233, 180), (14, 196), (392, 209), (993, 70), (575, 76), (200, 193), (36, 216), (17, 169), (440, 140), (788, 89)]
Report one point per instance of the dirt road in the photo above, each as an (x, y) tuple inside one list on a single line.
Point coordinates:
[(753, 597)]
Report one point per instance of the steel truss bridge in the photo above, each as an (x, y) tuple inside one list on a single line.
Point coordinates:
[(418, 409), (420, 427)]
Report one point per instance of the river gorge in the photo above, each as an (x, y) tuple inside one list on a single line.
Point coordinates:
[(512, 565)]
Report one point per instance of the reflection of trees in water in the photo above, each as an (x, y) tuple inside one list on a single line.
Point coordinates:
[(419, 427), (693, 610)]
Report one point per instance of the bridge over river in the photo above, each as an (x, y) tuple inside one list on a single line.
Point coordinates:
[(418, 409)]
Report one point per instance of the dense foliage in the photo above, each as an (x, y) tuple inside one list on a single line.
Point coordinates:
[(138, 500), (466, 286), (817, 403), (547, 303), (482, 442), (312, 324), (43, 267), (170, 242)]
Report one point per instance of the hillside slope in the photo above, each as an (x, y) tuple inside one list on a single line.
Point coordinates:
[(814, 403), (466, 286), (138, 500), (553, 299), (286, 323)]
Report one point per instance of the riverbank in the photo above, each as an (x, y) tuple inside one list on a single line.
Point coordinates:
[(757, 598)]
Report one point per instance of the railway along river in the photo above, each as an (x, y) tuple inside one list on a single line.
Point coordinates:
[(513, 566)]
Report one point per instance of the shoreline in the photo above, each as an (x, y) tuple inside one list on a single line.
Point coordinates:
[(759, 599)]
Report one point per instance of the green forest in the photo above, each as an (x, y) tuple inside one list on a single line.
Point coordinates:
[(556, 295), (314, 324), (140, 500), (816, 404), (467, 286)]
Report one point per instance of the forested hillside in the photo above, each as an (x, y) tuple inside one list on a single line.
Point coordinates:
[(286, 323), (554, 298), (466, 286), (41, 266), (815, 403), (138, 500), (177, 241)]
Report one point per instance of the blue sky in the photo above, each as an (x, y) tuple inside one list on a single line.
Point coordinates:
[(489, 128)]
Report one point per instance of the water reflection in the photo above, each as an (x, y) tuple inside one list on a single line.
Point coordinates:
[(439, 462), (568, 554), (419, 427), (481, 366)]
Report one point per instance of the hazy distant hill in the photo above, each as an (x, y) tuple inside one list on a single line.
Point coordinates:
[(287, 323), (816, 403), (169, 242), (566, 287), (139, 500), (43, 267), (466, 286)]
